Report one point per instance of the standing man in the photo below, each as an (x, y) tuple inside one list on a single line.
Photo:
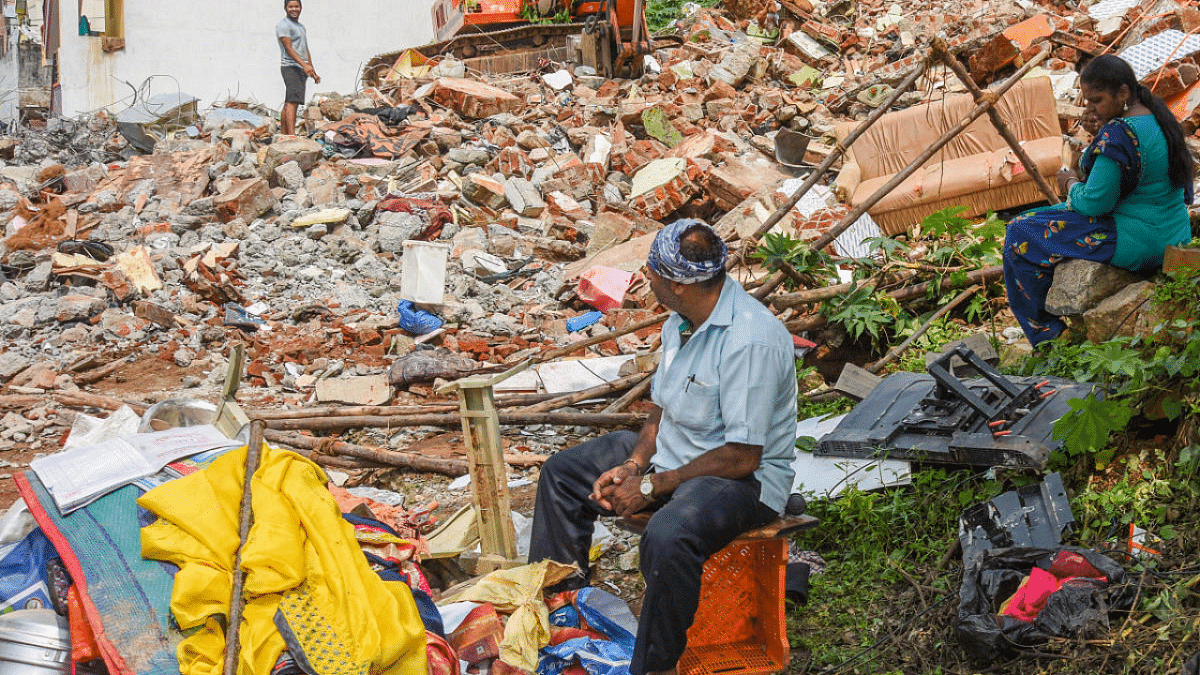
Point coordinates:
[(714, 458), (296, 63)]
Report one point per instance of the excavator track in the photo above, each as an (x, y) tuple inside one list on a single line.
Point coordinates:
[(481, 43), (485, 42)]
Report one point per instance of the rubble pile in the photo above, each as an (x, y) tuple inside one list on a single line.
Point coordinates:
[(298, 245)]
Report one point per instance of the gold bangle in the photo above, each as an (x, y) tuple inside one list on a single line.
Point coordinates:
[(637, 467)]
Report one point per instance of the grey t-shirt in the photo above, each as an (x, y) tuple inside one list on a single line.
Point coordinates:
[(286, 28)]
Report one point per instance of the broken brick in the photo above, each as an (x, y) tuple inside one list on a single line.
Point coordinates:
[(473, 99), (247, 198)]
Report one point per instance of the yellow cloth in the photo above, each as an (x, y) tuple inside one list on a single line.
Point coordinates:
[(301, 559), (519, 591)]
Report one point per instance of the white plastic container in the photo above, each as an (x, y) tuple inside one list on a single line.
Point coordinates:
[(423, 279), (34, 642)]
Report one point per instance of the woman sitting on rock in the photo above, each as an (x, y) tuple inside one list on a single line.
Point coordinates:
[(1129, 208)]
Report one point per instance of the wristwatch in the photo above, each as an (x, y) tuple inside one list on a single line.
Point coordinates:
[(647, 487)]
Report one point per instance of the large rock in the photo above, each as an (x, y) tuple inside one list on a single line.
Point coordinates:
[(473, 99), (484, 191), (303, 151), (1127, 312), (736, 64), (524, 197), (247, 198), (397, 227), (12, 363), (1080, 285), (78, 307), (289, 175)]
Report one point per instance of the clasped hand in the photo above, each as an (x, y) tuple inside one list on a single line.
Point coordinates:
[(619, 490)]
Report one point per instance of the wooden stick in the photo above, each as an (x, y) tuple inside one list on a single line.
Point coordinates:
[(830, 292), (100, 373), (899, 349), (632, 395), (942, 51), (612, 335), (982, 276), (838, 150), (83, 398), (454, 419), (857, 212), (591, 392), (509, 401), (980, 108), (322, 447), (245, 521)]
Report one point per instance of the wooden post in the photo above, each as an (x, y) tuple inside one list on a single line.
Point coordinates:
[(942, 52), (489, 473)]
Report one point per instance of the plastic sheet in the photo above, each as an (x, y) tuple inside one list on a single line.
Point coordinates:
[(1078, 610)]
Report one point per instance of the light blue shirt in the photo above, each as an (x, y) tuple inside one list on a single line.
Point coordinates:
[(286, 28), (733, 382)]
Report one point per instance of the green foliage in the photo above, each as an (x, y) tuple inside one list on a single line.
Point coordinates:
[(529, 13), (660, 13), (862, 312), (779, 248), (1086, 429), (961, 241)]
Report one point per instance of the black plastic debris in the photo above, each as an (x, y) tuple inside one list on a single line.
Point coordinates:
[(1033, 516), (938, 418), (1079, 610)]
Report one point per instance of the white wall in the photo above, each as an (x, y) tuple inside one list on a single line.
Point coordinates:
[(226, 49)]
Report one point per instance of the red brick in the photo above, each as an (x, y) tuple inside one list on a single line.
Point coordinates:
[(473, 99)]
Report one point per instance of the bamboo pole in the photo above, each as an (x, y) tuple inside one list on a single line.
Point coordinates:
[(980, 108), (585, 394), (829, 292), (838, 150), (510, 401), (857, 212), (942, 52), (981, 276), (611, 335), (899, 349), (454, 419), (321, 450), (237, 600), (632, 395)]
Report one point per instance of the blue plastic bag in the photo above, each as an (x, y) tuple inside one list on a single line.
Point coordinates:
[(23, 583), (417, 321)]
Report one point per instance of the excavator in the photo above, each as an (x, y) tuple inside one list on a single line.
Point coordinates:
[(613, 33)]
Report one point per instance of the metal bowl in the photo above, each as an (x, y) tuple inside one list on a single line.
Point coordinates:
[(34, 642)]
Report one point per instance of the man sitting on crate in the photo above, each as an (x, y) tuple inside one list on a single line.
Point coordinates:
[(714, 458)]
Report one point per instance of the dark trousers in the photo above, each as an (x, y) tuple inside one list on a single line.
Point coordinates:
[(699, 519)]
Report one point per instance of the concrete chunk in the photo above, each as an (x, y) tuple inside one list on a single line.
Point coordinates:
[(246, 198), (524, 198), (78, 307), (304, 151)]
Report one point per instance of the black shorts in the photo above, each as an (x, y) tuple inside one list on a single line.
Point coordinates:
[(294, 79)]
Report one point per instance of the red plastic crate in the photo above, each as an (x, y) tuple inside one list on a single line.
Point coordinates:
[(740, 627)]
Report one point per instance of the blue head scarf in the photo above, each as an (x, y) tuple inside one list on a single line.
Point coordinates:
[(667, 261)]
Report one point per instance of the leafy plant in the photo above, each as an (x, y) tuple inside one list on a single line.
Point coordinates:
[(1086, 429), (661, 13), (862, 312), (778, 248)]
